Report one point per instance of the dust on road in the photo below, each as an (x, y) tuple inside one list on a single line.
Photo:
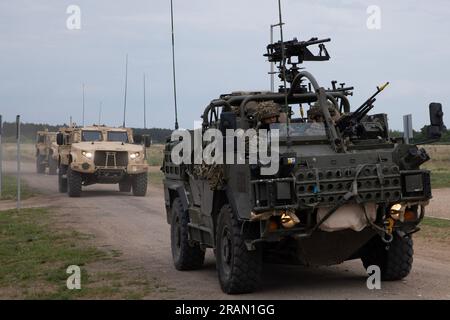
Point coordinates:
[(138, 227)]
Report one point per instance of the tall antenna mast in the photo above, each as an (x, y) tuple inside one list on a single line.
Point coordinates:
[(283, 69), (145, 108), (82, 120), (173, 66), (100, 113), (125, 94)]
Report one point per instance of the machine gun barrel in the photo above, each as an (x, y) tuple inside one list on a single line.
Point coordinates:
[(314, 41), (369, 101), (353, 118)]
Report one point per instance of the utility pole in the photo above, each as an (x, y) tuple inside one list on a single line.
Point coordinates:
[(1, 156), (272, 64), (18, 162), (145, 108)]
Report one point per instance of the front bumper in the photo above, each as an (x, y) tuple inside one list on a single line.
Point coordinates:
[(310, 189), (90, 168)]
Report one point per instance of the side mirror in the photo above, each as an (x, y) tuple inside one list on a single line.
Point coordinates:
[(147, 140), (227, 121), (434, 131), (60, 139)]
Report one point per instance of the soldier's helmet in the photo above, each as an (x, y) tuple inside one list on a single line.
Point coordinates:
[(315, 113), (263, 110)]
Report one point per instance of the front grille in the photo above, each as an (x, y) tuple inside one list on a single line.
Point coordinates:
[(326, 187), (111, 159)]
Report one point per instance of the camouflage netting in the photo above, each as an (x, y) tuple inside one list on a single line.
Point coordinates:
[(215, 175), (261, 110)]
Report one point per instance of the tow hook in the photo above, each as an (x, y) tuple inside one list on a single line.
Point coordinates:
[(387, 236)]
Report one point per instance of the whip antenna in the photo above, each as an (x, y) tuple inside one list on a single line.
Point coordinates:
[(100, 113), (145, 108), (125, 94), (283, 70), (173, 66), (83, 107)]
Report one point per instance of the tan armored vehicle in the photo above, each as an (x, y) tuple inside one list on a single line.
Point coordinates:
[(100, 154), (46, 152)]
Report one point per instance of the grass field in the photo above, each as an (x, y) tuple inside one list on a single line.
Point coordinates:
[(27, 153), (9, 189), (439, 165), (35, 256), (155, 155), (433, 228)]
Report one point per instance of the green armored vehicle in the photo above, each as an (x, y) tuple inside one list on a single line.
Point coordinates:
[(344, 188)]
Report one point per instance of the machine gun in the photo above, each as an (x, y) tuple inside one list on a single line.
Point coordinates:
[(295, 52), (349, 123)]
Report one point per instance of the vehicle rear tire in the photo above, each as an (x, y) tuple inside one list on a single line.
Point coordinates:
[(52, 166), (239, 269), (139, 184), (62, 181), (40, 168), (125, 186), (395, 263), (186, 255), (74, 183)]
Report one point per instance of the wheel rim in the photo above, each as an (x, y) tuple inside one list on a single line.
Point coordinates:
[(226, 251)]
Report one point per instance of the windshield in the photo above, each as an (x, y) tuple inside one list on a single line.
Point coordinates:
[(40, 139), (313, 129), (91, 136), (119, 136)]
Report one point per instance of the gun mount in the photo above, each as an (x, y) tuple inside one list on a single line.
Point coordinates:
[(295, 53)]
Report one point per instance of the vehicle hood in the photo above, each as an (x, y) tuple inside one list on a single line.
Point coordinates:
[(106, 146)]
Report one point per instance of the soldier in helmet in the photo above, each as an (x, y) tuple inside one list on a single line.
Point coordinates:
[(265, 113), (315, 113)]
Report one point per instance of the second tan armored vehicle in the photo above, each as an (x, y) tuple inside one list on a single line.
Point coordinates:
[(46, 152), (100, 154)]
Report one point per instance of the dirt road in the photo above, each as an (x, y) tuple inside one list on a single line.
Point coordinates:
[(137, 227)]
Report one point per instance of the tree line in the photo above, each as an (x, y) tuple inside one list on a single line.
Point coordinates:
[(29, 130)]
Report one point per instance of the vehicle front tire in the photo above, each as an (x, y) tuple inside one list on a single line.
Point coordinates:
[(52, 166), (74, 183), (125, 186), (239, 269), (62, 181), (186, 255), (139, 184), (395, 263), (40, 168)]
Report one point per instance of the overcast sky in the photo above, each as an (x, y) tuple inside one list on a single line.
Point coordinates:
[(219, 46)]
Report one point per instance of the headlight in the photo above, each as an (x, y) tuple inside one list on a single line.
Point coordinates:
[(87, 154), (134, 155)]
